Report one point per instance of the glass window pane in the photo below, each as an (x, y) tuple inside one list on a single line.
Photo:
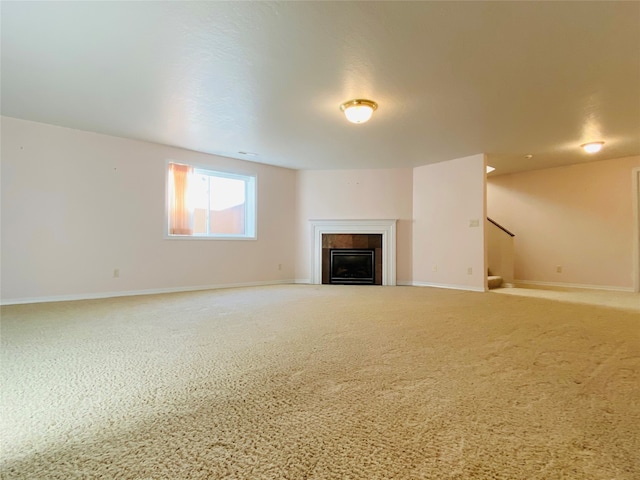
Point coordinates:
[(226, 192), (198, 200), (210, 203), (227, 206)]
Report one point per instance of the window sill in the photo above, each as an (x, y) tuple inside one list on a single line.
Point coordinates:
[(195, 237)]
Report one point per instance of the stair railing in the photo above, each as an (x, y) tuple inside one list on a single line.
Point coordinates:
[(501, 227)]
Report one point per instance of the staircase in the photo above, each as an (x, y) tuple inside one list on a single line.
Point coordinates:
[(500, 255), (494, 281)]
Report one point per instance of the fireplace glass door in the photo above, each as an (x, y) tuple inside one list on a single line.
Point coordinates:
[(352, 266)]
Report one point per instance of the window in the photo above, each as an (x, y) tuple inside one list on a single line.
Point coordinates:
[(206, 203)]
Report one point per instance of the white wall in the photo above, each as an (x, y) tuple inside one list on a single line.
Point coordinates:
[(354, 194), (446, 197), (77, 205), (578, 217)]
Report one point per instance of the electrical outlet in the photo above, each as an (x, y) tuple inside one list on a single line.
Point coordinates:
[(558, 268), (435, 268), (279, 266), (116, 273), (469, 271)]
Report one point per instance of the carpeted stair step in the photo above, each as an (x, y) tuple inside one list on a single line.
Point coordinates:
[(495, 281)]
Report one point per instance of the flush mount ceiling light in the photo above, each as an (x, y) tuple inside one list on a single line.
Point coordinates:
[(592, 147), (359, 110), (490, 169)]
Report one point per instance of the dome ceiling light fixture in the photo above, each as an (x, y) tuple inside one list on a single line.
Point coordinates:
[(358, 110), (592, 147)]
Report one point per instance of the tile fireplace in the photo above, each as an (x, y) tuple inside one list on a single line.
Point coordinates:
[(357, 234)]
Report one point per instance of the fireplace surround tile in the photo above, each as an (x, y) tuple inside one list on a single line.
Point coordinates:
[(351, 240), (386, 229)]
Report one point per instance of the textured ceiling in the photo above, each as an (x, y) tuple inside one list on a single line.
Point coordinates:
[(451, 78)]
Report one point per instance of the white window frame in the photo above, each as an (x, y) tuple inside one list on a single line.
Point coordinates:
[(251, 207)]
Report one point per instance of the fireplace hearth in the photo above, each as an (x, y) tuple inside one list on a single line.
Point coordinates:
[(349, 266)]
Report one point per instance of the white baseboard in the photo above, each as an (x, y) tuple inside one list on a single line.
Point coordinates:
[(447, 286), (130, 293), (573, 285), (302, 280)]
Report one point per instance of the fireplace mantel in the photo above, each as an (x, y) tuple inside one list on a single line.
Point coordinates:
[(386, 228)]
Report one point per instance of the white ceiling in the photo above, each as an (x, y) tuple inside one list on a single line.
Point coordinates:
[(452, 78)]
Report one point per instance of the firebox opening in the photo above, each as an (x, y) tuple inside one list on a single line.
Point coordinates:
[(350, 266)]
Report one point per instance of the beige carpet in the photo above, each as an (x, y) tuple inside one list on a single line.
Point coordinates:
[(603, 298), (320, 382)]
